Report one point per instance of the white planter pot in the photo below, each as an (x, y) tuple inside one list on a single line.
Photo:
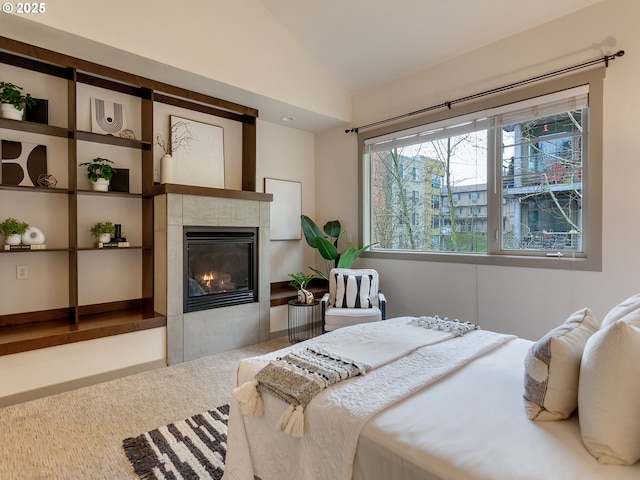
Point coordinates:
[(14, 239), (7, 110), (105, 238), (100, 185)]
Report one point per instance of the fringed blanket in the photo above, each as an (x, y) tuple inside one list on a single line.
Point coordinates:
[(299, 376), (334, 418)]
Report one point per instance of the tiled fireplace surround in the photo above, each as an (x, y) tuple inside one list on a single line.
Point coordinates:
[(196, 334)]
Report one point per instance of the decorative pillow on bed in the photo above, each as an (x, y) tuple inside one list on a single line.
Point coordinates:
[(552, 368), (622, 309), (353, 291), (609, 392)]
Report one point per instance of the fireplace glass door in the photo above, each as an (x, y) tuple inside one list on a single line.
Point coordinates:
[(220, 267)]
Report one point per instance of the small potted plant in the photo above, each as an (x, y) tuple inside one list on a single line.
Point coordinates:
[(99, 171), (13, 102), (13, 230), (103, 231), (299, 282)]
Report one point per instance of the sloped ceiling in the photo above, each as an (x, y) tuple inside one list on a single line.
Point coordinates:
[(364, 43)]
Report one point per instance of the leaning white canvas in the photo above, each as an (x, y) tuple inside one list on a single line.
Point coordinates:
[(200, 162)]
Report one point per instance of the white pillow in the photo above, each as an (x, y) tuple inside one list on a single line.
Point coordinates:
[(552, 368), (622, 309), (353, 291), (609, 392)]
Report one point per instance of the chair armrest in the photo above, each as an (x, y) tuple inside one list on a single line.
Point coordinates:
[(325, 299), (383, 304)]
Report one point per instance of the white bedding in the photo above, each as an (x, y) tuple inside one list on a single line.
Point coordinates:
[(471, 424)]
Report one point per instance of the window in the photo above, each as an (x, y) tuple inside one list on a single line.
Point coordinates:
[(519, 181)]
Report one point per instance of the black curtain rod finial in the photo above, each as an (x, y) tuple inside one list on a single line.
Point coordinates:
[(351, 130)]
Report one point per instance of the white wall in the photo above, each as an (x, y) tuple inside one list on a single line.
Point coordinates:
[(524, 301), (232, 43)]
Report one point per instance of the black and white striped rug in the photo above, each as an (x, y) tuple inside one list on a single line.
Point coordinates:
[(190, 449)]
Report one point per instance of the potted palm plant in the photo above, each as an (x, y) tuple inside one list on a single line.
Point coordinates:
[(13, 101), (99, 171), (13, 230), (103, 231), (326, 242)]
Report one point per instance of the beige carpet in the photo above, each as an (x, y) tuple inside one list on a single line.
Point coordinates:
[(78, 434)]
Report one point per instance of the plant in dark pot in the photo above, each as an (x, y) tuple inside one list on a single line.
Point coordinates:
[(99, 171), (13, 101), (103, 231), (13, 230)]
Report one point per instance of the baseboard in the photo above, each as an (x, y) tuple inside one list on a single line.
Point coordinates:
[(278, 334), (79, 383)]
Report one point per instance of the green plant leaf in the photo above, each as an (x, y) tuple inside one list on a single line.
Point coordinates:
[(327, 249), (350, 254), (311, 231), (333, 228), (320, 273)]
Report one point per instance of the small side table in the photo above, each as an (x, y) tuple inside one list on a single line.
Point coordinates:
[(305, 320)]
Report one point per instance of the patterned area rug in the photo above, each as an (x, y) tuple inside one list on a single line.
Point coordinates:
[(190, 449)]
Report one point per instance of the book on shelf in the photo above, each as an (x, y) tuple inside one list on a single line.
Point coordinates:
[(41, 246), (113, 244)]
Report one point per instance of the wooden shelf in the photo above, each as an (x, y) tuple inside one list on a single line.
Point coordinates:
[(111, 140), (67, 249), (32, 127), (20, 188), (23, 338)]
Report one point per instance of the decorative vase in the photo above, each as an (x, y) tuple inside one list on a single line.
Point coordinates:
[(305, 296), (166, 169), (100, 185), (104, 238), (33, 236), (7, 110), (14, 239)]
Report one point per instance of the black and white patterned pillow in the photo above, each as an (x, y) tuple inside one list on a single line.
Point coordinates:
[(552, 368), (353, 291)]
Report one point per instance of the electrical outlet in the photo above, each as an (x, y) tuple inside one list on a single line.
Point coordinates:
[(22, 272)]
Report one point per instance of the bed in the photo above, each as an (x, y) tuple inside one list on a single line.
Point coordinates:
[(466, 420)]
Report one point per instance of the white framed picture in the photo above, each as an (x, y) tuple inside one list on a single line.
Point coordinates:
[(286, 208)]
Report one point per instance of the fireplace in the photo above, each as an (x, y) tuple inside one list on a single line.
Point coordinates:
[(220, 267)]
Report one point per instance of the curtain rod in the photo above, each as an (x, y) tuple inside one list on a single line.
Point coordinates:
[(450, 103)]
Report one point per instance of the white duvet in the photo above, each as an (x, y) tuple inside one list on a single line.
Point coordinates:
[(335, 418)]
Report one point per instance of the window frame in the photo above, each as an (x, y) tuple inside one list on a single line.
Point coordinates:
[(591, 260)]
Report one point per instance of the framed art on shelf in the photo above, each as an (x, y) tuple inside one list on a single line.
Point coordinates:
[(201, 162)]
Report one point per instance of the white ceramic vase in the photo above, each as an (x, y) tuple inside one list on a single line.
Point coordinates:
[(100, 185), (167, 173), (7, 110), (33, 236)]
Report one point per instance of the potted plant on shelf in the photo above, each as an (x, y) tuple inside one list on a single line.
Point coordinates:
[(103, 231), (299, 282), (13, 102), (13, 230), (99, 172)]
